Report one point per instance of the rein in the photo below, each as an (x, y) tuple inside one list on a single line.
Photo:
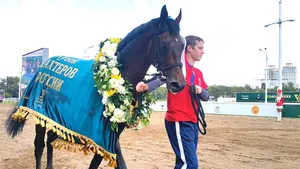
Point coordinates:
[(199, 112)]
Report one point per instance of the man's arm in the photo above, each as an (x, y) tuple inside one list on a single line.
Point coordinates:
[(204, 96), (154, 84), (151, 85)]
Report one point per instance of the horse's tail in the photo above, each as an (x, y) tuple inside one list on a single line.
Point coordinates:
[(13, 128)]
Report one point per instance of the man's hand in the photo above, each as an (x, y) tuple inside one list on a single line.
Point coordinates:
[(198, 89), (141, 87)]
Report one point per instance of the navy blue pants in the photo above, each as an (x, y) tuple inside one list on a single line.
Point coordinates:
[(183, 137)]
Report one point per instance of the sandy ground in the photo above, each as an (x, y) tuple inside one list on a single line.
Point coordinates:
[(231, 142)]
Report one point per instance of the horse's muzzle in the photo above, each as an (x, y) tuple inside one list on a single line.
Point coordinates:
[(176, 87)]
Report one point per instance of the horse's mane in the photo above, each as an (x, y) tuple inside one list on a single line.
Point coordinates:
[(170, 24)]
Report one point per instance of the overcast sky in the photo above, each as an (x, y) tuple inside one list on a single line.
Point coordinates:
[(233, 31)]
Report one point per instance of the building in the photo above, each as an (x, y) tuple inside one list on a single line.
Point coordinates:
[(289, 74)]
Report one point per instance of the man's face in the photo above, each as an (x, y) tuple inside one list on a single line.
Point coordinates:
[(197, 51)]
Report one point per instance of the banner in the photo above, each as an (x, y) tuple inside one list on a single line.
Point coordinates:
[(289, 97), (30, 64)]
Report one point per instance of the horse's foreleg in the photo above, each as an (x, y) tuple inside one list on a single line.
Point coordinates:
[(39, 144), (51, 136), (120, 160), (96, 161)]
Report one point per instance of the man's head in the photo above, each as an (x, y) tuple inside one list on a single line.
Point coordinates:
[(194, 47)]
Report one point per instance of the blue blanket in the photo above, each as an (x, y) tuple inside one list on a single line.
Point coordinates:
[(62, 97)]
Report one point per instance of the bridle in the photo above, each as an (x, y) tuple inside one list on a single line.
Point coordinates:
[(158, 57)]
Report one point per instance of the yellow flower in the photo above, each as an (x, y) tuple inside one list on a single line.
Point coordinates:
[(117, 77), (99, 55), (115, 40), (111, 92)]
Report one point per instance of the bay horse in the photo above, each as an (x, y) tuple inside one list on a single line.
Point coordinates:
[(158, 43)]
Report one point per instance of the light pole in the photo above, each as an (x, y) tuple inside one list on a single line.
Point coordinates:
[(266, 87), (280, 43)]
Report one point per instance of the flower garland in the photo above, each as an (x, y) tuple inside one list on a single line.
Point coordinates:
[(115, 90)]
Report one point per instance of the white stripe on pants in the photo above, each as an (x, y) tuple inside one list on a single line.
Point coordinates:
[(177, 126)]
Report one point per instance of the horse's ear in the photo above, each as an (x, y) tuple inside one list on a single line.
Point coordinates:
[(178, 18), (163, 14)]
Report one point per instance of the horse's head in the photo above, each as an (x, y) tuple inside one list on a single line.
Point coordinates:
[(166, 49), (157, 42)]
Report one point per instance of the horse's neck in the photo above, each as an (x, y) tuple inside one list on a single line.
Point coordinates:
[(135, 61)]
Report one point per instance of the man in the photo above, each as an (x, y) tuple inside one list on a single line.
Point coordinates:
[(181, 120)]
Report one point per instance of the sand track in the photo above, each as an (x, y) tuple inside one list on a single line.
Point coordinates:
[(231, 142)]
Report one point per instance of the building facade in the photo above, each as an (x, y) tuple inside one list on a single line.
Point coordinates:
[(289, 74)]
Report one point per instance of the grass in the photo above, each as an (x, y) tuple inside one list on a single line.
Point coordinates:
[(10, 102)]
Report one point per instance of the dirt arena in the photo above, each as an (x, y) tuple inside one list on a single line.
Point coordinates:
[(231, 142)]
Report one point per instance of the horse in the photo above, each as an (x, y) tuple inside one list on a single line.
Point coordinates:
[(157, 42)]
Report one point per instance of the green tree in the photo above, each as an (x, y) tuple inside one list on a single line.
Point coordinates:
[(160, 93), (10, 85), (230, 91), (289, 87)]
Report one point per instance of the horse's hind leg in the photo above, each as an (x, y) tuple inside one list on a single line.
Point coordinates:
[(51, 136), (39, 144), (96, 161)]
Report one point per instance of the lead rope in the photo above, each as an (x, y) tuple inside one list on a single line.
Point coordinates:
[(199, 112)]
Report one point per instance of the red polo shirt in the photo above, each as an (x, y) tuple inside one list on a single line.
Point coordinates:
[(180, 106)]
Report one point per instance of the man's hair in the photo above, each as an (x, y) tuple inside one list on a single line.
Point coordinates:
[(192, 40)]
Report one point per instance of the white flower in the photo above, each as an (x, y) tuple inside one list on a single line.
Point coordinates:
[(103, 67), (104, 99), (122, 107), (121, 81), (114, 83), (112, 63), (106, 113), (105, 94), (115, 58), (109, 49), (109, 52), (102, 59), (114, 45), (106, 44), (126, 102), (111, 107), (118, 116), (115, 71), (121, 89)]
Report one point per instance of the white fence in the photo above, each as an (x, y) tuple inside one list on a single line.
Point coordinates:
[(233, 108)]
